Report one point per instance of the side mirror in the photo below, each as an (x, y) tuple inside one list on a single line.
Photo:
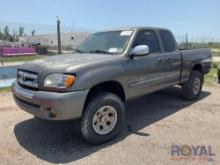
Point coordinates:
[(140, 50)]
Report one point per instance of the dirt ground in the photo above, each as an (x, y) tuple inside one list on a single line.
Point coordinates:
[(154, 124)]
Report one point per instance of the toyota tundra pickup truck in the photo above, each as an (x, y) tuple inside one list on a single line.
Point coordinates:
[(109, 68)]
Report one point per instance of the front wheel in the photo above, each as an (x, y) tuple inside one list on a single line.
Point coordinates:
[(103, 118), (192, 88)]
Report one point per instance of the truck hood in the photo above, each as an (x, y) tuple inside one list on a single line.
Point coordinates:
[(63, 63)]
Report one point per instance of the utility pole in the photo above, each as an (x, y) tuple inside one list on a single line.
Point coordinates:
[(187, 45), (58, 36)]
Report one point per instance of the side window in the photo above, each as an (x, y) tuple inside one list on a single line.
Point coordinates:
[(147, 38), (168, 41)]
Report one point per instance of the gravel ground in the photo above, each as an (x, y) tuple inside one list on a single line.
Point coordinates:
[(154, 123)]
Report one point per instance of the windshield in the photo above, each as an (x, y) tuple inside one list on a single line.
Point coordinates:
[(112, 42)]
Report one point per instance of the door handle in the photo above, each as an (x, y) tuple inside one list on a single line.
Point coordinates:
[(160, 60), (168, 59)]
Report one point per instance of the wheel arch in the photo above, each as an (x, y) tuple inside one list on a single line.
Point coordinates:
[(198, 67), (108, 86)]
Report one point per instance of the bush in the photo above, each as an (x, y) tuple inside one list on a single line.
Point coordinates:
[(214, 65), (42, 50)]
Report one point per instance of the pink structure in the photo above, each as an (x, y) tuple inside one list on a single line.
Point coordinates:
[(8, 51)]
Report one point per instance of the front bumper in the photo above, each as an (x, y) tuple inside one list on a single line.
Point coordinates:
[(50, 105)]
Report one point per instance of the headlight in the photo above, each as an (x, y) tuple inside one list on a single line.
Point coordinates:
[(60, 81)]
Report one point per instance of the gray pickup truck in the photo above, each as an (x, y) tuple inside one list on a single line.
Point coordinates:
[(105, 71)]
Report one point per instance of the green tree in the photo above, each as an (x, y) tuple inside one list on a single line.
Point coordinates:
[(6, 33), (33, 32), (21, 31), (15, 36), (1, 35)]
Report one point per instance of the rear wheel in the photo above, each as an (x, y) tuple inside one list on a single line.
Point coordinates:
[(192, 88), (103, 118)]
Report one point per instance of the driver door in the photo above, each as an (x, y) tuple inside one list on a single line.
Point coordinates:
[(146, 73)]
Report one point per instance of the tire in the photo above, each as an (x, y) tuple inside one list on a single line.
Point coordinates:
[(192, 88), (97, 113)]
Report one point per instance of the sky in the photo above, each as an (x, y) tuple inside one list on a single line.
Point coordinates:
[(198, 18)]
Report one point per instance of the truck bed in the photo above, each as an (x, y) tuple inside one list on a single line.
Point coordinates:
[(190, 57)]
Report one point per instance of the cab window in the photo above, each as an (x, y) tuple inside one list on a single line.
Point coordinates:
[(168, 41), (147, 37)]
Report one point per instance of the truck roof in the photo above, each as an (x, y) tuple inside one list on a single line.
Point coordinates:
[(136, 28)]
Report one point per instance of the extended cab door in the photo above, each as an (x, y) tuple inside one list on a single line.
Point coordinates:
[(146, 73), (172, 56)]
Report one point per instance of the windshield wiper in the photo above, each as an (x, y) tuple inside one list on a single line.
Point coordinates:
[(100, 51)]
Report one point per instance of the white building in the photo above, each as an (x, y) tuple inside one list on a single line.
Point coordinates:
[(67, 39)]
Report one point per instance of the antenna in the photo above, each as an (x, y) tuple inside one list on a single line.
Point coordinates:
[(187, 42)]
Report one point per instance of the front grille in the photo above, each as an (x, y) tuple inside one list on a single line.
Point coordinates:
[(27, 79)]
